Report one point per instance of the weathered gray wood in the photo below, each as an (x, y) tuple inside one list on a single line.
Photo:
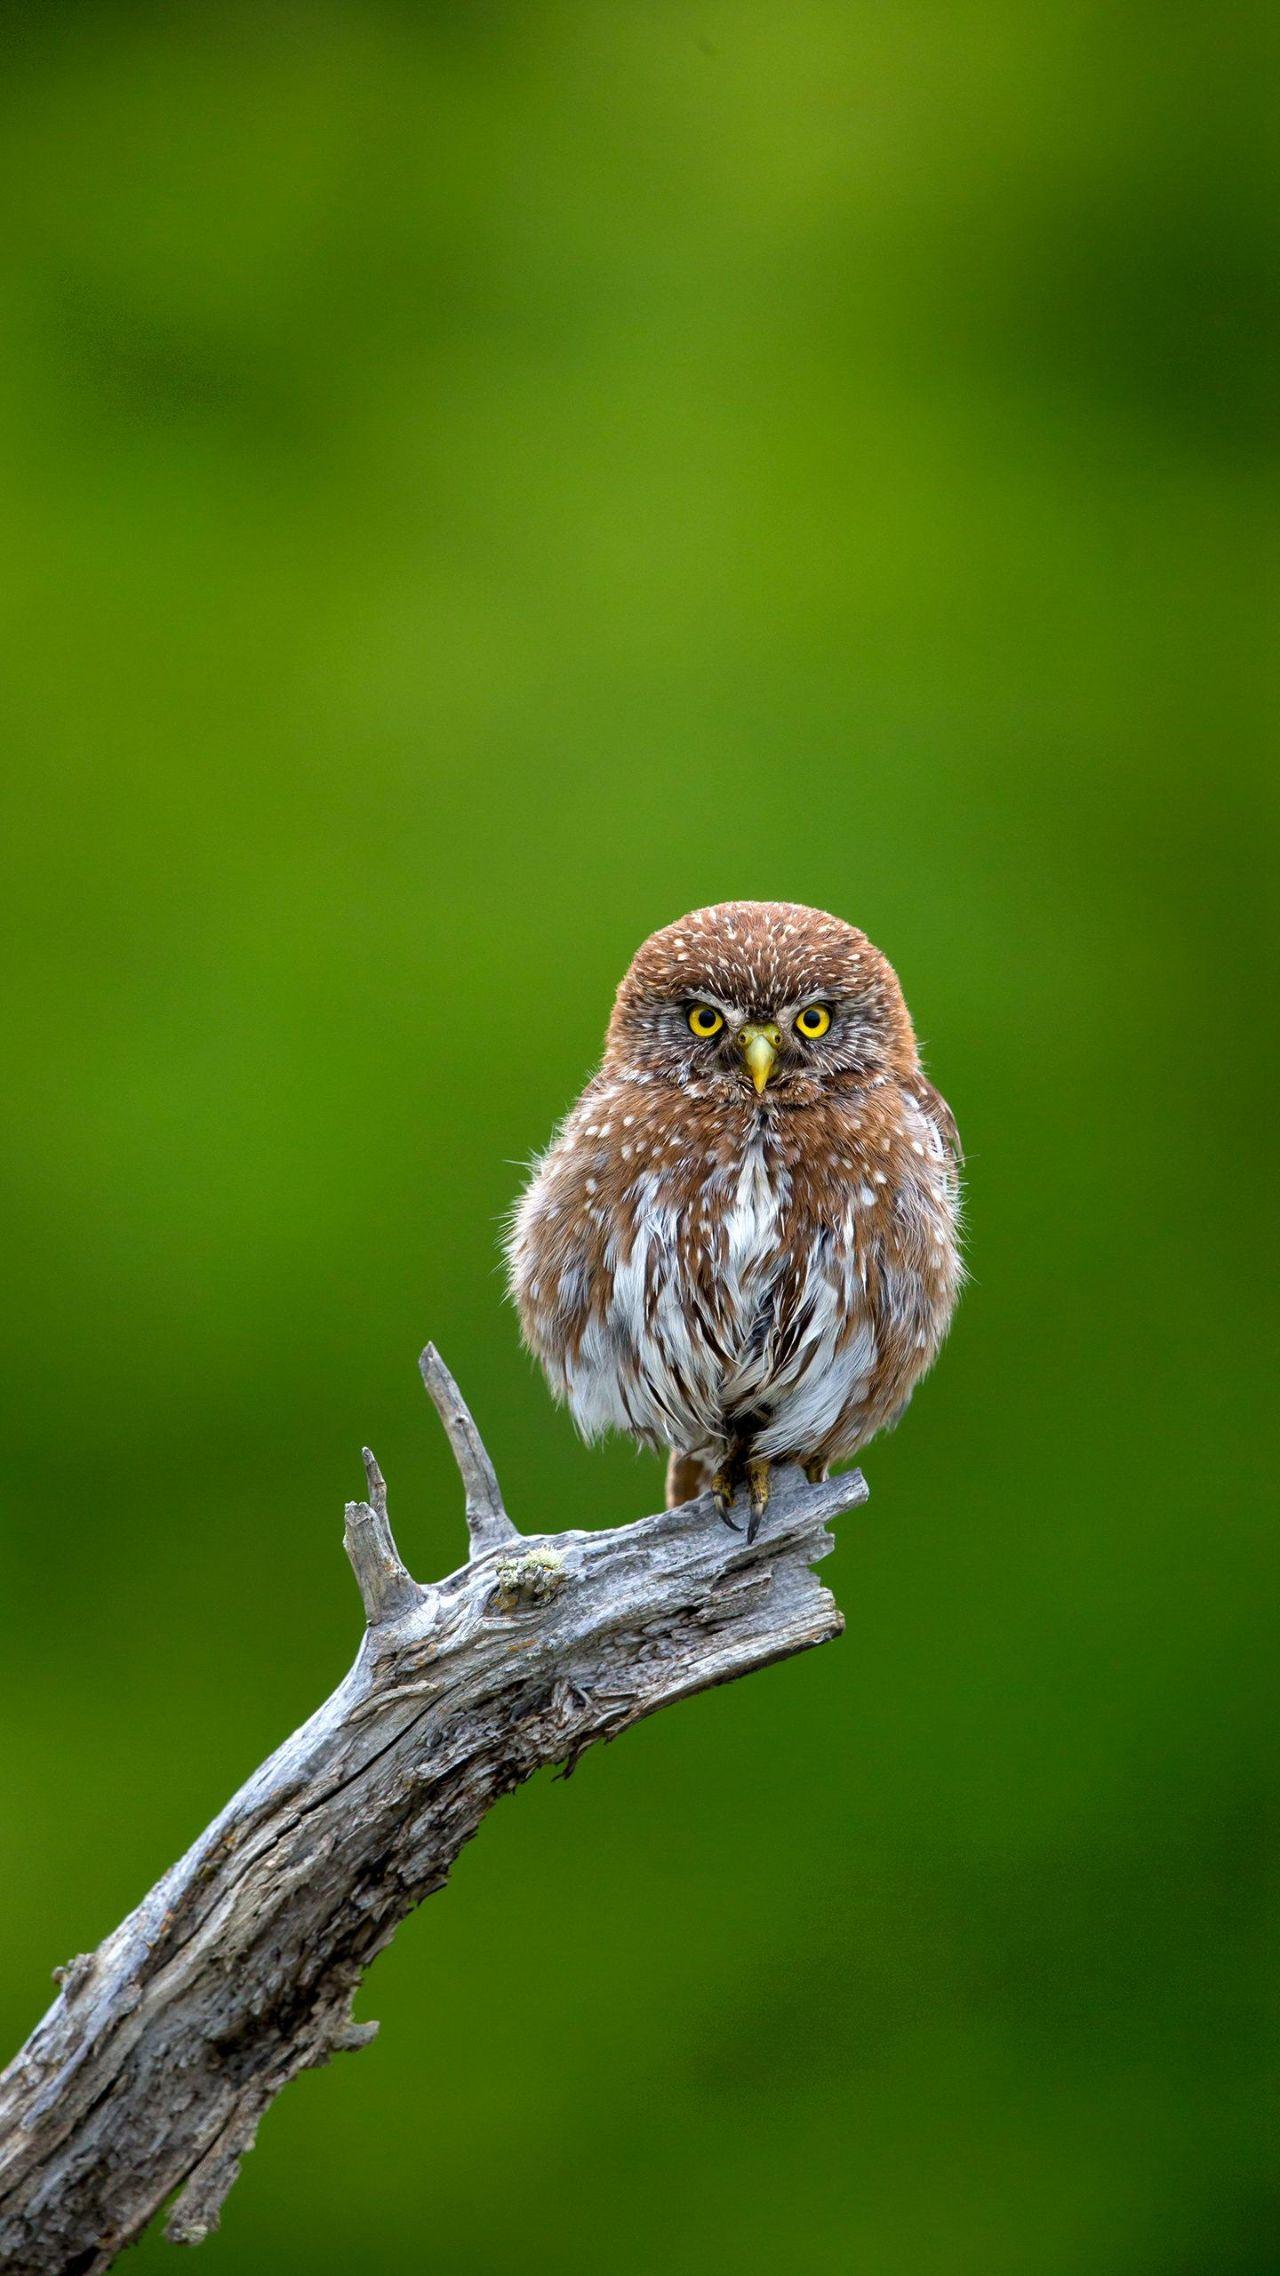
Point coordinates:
[(152, 2068)]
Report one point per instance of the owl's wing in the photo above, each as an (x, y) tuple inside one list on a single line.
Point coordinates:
[(934, 1106)]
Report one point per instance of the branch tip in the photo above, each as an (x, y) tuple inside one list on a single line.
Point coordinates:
[(487, 1521), (376, 1482), (387, 1587), (195, 2215)]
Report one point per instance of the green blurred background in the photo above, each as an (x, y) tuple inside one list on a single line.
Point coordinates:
[(478, 482)]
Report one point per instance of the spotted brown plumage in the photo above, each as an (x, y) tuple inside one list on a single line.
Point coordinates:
[(742, 1243)]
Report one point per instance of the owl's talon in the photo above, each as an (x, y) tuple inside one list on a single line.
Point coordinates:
[(722, 1487), (758, 1482), (815, 1472)]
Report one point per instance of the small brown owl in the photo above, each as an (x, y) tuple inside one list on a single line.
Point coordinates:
[(742, 1244)]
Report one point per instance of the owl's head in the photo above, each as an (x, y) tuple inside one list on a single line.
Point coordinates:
[(760, 998)]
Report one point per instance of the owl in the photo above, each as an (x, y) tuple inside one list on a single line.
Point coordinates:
[(742, 1245)]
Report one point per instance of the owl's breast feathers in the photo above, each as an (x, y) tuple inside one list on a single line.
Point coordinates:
[(688, 1269)]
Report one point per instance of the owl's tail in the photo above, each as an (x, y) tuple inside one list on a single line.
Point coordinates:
[(688, 1475)]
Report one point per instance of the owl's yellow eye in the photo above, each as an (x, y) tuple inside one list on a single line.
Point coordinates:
[(813, 1021), (704, 1019)]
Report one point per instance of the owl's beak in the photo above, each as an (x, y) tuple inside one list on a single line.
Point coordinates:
[(759, 1047)]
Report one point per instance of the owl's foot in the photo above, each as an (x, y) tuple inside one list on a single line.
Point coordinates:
[(758, 1484), (815, 1472)]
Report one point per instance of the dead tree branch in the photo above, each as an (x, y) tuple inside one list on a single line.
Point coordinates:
[(155, 2063)]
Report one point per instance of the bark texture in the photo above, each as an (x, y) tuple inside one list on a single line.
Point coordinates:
[(151, 2070)]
